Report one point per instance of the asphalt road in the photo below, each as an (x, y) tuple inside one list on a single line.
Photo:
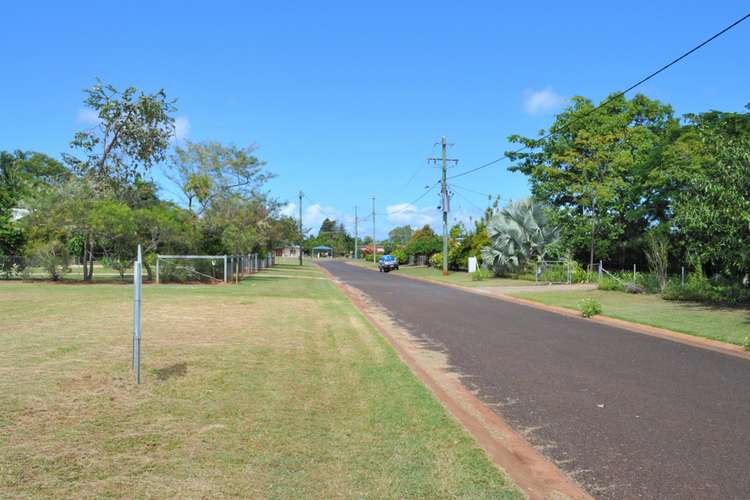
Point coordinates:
[(627, 415)]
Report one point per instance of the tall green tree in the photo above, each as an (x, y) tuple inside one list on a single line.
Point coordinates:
[(712, 209), (400, 235), (594, 168), (133, 133), (209, 171)]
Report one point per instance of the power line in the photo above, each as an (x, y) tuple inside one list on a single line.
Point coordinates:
[(612, 98), (408, 206), (471, 190), (481, 210)]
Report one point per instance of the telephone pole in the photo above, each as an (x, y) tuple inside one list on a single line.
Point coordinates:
[(301, 235), (356, 232), (444, 198), (374, 245)]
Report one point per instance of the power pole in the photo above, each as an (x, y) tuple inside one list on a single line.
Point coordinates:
[(301, 235), (356, 228), (445, 198), (374, 245)]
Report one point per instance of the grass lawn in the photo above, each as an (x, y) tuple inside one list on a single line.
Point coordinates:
[(456, 277), (726, 324), (276, 388)]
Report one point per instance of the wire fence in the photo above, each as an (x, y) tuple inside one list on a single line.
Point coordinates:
[(167, 269)]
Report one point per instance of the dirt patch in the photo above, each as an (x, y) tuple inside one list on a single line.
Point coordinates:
[(175, 370), (534, 474)]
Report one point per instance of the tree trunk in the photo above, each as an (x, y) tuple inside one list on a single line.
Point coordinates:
[(88, 258)]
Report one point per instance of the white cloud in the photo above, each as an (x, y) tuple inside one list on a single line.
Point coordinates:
[(402, 214), (315, 214), (288, 210), (538, 102), (87, 116), (181, 128)]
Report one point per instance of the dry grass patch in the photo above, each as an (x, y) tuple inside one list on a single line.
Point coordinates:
[(274, 388)]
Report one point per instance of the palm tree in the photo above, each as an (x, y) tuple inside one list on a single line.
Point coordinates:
[(518, 232)]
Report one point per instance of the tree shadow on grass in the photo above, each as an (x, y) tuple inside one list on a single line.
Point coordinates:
[(175, 370)]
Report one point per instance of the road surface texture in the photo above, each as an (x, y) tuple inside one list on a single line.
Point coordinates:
[(626, 415)]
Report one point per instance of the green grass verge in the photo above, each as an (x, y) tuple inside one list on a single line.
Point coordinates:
[(276, 388), (455, 277), (719, 323)]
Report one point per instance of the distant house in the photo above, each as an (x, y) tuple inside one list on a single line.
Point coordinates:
[(367, 249), (287, 251)]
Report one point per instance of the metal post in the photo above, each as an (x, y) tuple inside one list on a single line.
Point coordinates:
[(225, 269), (137, 316), (682, 279), (633, 273), (157, 268), (600, 271)]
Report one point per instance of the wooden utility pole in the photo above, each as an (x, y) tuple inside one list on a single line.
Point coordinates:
[(356, 231), (444, 198), (374, 245), (301, 235)]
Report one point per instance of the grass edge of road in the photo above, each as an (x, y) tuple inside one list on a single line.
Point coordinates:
[(547, 301), (534, 473)]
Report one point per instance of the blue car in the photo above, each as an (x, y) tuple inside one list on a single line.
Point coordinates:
[(387, 263)]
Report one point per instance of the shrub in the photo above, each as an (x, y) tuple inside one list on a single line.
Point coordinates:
[(436, 260), (698, 288), (610, 283), (480, 275), (657, 254), (648, 281), (400, 255), (589, 307), (53, 257)]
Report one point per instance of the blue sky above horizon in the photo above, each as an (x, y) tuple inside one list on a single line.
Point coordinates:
[(345, 100)]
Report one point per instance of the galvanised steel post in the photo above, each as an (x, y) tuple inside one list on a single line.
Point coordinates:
[(137, 316)]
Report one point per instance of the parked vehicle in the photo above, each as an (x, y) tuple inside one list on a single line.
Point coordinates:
[(387, 263)]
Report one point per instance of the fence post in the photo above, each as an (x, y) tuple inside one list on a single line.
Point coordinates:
[(137, 317), (600, 271), (633, 273), (157, 268), (682, 279), (225, 269)]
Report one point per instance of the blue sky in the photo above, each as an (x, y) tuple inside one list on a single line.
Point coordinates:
[(346, 99)]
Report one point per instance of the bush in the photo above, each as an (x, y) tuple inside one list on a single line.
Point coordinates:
[(648, 281), (400, 255), (436, 260), (589, 307), (610, 283), (746, 343), (480, 274), (53, 257), (698, 288)]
